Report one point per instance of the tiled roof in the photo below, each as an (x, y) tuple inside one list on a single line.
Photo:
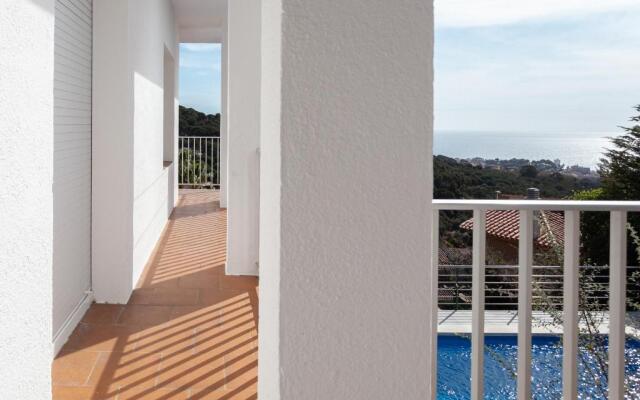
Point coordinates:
[(454, 256), (505, 224)]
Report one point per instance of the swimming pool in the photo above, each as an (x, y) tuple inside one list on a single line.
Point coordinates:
[(454, 368)]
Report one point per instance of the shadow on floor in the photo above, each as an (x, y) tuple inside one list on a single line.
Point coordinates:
[(188, 331)]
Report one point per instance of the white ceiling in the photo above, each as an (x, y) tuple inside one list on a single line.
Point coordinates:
[(200, 21)]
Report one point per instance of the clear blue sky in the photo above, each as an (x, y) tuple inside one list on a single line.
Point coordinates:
[(200, 77), (536, 65)]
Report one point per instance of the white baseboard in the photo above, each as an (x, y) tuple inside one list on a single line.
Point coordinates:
[(255, 272), (61, 337)]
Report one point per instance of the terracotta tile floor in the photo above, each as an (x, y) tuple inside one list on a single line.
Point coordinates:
[(188, 332)]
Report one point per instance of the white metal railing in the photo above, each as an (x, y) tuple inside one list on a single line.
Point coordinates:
[(617, 290), (199, 161), (502, 289)]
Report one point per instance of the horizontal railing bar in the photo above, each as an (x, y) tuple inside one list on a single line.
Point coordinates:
[(552, 205), (515, 276), (200, 137), (540, 282), (535, 266)]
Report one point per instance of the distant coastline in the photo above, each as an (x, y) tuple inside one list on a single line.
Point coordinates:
[(542, 167), (577, 148)]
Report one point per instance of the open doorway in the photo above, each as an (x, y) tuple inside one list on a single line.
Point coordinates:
[(200, 116)]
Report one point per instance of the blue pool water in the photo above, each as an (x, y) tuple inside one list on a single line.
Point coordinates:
[(454, 368)]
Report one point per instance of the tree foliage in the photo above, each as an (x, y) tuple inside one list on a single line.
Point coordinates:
[(620, 167), (195, 123), (528, 171), (620, 172), (460, 180)]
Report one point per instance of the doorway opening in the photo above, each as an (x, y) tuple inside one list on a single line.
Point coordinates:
[(199, 154)]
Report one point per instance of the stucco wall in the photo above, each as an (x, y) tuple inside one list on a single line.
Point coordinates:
[(132, 190), (243, 138), (151, 29), (346, 276), (26, 200)]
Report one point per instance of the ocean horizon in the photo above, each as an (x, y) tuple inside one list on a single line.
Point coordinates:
[(571, 148)]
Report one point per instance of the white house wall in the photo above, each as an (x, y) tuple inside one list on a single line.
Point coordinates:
[(152, 28), (346, 178), (243, 136), (26, 198), (71, 165), (133, 190)]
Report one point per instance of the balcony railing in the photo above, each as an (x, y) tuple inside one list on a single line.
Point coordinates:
[(525, 274), (501, 286), (199, 162)]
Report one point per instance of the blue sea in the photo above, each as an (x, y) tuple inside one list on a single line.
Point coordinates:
[(454, 368), (584, 149)]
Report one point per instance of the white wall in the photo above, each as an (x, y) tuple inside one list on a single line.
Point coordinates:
[(152, 27), (131, 187), (346, 167), (243, 136), (26, 201)]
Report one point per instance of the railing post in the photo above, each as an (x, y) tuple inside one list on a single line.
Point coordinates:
[(570, 299), (525, 261), (218, 180), (435, 261), (457, 288), (477, 313), (193, 161), (617, 303), (200, 161)]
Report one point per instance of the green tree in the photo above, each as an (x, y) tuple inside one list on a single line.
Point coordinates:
[(620, 167), (528, 171), (195, 123), (620, 173)]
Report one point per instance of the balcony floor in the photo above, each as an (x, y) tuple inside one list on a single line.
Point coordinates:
[(188, 331)]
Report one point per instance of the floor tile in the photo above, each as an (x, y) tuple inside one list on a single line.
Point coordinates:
[(164, 296), (143, 315), (238, 282), (102, 314), (73, 368), (185, 370), (79, 393), (95, 337), (118, 372)]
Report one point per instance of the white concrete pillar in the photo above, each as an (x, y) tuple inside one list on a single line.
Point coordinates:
[(346, 193), (243, 139), (131, 184), (224, 88), (112, 155), (26, 198)]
